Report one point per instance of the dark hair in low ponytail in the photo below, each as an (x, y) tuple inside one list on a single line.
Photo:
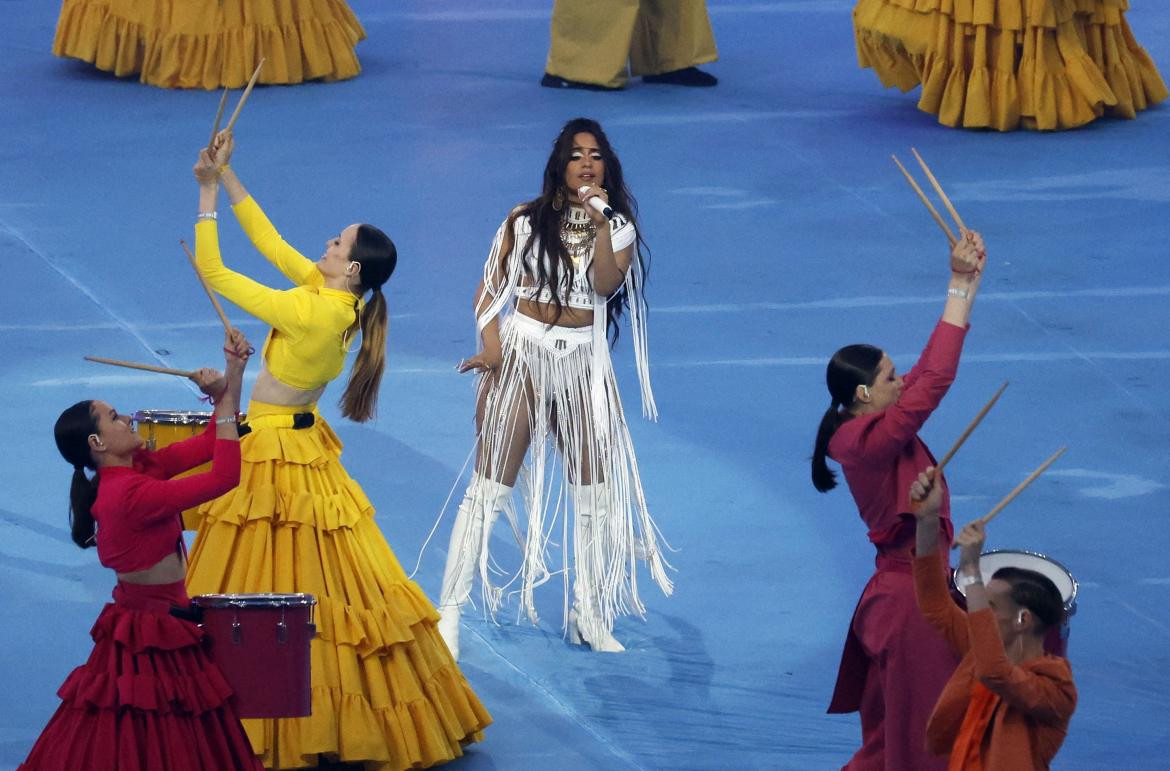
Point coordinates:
[(378, 257), (850, 367), (72, 431)]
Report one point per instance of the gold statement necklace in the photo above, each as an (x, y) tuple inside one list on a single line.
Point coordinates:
[(577, 234)]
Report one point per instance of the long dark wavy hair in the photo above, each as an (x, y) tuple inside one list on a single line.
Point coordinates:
[(546, 221)]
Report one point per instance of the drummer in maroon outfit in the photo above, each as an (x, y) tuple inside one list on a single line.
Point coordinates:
[(894, 664), (149, 697)]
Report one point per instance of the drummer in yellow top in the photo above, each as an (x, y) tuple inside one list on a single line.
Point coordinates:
[(385, 689)]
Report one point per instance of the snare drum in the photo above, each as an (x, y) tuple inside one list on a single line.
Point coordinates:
[(261, 644), (1056, 642)]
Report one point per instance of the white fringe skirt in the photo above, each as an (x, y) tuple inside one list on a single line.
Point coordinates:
[(558, 383)]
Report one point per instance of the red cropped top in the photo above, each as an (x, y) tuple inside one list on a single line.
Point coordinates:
[(138, 507)]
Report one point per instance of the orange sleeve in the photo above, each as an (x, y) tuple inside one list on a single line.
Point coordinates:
[(935, 603), (1045, 693)]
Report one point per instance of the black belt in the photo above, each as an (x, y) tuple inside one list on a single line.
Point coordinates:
[(299, 420)]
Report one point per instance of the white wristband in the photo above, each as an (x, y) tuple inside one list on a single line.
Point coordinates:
[(962, 294), (966, 579), (206, 215), (223, 421)]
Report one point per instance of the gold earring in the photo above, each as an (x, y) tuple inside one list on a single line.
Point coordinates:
[(558, 201)]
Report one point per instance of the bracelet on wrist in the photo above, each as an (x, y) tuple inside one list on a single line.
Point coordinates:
[(965, 579), (225, 420), (222, 169), (954, 291), (206, 215)]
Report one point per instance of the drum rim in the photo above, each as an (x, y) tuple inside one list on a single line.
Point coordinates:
[(151, 416), (255, 600), (1071, 603)]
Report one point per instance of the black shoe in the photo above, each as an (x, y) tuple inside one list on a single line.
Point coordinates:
[(556, 81), (688, 76)]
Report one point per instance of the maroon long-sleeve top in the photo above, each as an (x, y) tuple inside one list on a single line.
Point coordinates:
[(138, 507), (881, 453)]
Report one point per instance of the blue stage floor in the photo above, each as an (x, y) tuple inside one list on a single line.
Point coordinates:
[(780, 231)]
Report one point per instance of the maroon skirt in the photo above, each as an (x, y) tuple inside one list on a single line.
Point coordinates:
[(149, 697)]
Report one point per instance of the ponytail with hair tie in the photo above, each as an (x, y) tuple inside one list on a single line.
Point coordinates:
[(71, 432), (850, 367), (378, 257)]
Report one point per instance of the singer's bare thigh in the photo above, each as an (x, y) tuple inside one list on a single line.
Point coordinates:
[(500, 452), (576, 441)]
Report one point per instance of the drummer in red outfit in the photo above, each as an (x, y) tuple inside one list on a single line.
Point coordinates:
[(149, 697), (894, 664), (1008, 705)]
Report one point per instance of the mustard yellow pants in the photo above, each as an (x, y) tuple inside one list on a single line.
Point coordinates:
[(605, 41)]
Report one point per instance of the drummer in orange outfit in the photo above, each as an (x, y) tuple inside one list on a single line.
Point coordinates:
[(1008, 704)]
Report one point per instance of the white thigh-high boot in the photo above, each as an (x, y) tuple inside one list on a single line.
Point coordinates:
[(587, 623), (478, 511)]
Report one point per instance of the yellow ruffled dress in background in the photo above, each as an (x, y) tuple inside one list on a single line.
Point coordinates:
[(212, 43), (385, 689), (1008, 64)]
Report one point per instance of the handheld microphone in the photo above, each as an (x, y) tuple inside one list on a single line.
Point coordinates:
[(596, 202)]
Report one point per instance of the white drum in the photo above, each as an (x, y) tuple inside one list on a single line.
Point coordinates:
[(990, 561)]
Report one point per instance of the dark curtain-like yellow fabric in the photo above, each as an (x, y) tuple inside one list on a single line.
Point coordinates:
[(1008, 64), (385, 689), (212, 43)]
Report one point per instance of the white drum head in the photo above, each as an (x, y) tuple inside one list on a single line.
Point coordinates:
[(992, 561)]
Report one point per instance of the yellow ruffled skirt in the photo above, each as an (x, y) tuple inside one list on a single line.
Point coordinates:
[(385, 689), (212, 43), (1008, 64)]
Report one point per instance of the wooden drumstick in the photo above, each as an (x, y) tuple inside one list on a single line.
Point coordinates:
[(974, 423), (244, 98), (145, 367), (926, 202), (1020, 487), (227, 325), (218, 118), (938, 189)]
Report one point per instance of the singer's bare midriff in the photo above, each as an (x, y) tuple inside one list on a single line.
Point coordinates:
[(271, 391), (570, 317), (168, 570)]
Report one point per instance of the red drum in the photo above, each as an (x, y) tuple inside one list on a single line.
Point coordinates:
[(1056, 642), (261, 643)]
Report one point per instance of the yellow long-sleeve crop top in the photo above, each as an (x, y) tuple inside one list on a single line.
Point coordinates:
[(307, 345)]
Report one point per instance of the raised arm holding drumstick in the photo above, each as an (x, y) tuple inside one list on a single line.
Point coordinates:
[(1008, 703), (894, 664), (300, 523), (131, 511)]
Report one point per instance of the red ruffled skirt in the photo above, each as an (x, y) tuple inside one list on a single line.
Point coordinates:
[(148, 699)]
